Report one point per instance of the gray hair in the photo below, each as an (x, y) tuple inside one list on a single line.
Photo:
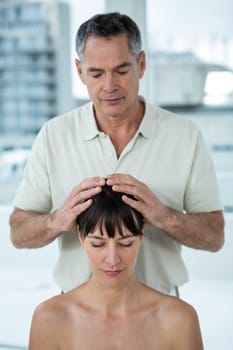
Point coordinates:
[(108, 25)]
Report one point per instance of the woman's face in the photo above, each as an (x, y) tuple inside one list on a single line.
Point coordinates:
[(112, 259)]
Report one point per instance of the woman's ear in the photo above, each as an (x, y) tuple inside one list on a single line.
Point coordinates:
[(81, 238), (142, 236)]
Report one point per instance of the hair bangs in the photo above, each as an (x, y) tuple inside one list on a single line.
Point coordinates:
[(110, 215)]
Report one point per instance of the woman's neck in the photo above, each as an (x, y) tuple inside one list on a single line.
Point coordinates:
[(113, 300)]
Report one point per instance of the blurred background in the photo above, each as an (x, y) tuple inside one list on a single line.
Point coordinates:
[(189, 48)]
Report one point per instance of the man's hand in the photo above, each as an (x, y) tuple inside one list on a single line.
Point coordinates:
[(30, 229), (203, 230), (64, 218), (153, 211)]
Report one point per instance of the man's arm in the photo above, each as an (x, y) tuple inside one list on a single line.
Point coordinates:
[(30, 229), (199, 230)]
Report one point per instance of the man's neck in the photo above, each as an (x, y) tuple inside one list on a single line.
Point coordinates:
[(121, 129), (128, 120)]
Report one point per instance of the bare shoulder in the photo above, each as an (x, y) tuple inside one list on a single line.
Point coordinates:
[(65, 305), (165, 302), (59, 305), (43, 336), (53, 312), (49, 308), (52, 320), (178, 307), (180, 320), (174, 310), (176, 320)]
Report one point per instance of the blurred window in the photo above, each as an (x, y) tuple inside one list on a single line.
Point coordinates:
[(219, 88)]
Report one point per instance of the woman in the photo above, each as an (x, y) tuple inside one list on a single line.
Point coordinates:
[(113, 310)]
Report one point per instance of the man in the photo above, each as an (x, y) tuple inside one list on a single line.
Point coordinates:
[(147, 152)]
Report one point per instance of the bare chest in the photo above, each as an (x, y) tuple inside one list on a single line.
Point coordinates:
[(131, 334)]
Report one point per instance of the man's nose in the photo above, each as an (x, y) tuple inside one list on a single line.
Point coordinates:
[(110, 83)]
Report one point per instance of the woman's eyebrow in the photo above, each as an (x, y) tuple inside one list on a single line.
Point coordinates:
[(94, 236), (125, 237), (103, 238)]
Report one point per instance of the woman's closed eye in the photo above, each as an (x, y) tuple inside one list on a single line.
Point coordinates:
[(126, 244), (97, 245), (121, 243)]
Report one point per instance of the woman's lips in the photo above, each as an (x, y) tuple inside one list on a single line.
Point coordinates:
[(112, 273)]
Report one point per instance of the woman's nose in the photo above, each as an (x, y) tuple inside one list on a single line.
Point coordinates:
[(112, 257)]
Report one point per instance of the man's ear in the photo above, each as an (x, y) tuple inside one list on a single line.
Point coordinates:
[(141, 64), (79, 69)]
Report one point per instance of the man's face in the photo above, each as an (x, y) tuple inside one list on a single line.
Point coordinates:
[(111, 73)]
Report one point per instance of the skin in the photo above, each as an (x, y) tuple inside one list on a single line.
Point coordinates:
[(30, 229), (200, 230), (113, 309), (111, 74), (113, 257)]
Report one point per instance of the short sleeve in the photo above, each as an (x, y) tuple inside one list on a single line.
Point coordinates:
[(202, 192), (34, 191)]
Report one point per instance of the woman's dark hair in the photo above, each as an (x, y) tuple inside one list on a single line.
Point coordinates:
[(109, 212), (107, 25)]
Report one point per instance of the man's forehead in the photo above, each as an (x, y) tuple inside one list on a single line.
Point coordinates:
[(95, 45), (107, 40)]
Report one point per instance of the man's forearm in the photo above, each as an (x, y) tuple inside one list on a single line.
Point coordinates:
[(200, 230), (30, 229)]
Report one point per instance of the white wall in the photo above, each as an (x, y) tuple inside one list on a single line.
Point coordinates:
[(9, 255), (212, 266)]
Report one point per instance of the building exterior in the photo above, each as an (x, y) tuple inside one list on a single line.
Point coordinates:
[(35, 77)]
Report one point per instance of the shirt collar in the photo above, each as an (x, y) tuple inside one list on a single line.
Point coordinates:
[(147, 125), (88, 124), (89, 128)]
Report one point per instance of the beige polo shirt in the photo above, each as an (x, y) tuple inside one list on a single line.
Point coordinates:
[(167, 153)]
